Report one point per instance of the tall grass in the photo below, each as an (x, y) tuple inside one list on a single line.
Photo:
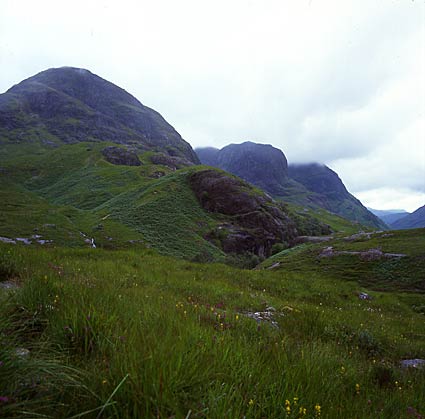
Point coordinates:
[(128, 334)]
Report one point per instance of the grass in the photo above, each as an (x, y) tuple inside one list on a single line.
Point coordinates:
[(128, 333), (395, 274)]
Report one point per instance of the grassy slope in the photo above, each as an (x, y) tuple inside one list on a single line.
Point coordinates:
[(337, 223), (404, 274), (73, 188), (177, 335)]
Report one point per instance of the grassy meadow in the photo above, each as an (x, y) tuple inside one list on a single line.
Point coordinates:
[(95, 333)]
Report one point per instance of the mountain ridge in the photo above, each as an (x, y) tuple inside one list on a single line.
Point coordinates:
[(414, 220)]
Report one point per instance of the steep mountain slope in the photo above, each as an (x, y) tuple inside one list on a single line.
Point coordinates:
[(330, 193), (389, 216), (310, 185), (414, 220), (69, 105)]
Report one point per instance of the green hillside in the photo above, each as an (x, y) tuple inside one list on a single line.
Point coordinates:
[(381, 261), (70, 194)]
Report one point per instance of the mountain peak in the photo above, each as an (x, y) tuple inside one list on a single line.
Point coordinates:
[(260, 164), (72, 105)]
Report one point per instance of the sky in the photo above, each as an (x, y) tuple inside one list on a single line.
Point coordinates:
[(341, 82)]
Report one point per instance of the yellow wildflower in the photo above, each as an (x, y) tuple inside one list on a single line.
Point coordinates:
[(251, 402)]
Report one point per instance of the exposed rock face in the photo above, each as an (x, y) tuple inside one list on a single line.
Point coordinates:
[(262, 165), (257, 223), (74, 105), (120, 156), (414, 220), (173, 163)]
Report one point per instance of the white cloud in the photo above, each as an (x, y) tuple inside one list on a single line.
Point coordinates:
[(388, 198)]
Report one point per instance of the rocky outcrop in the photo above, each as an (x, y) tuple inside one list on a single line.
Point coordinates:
[(72, 105), (121, 156), (256, 222), (171, 162)]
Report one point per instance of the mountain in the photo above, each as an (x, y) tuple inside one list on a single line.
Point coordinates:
[(309, 185), (414, 220), (70, 105), (260, 164), (389, 216), (83, 163), (329, 192)]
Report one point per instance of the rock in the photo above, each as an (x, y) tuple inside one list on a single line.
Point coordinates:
[(43, 242), (49, 225), (413, 363), (23, 240), (257, 222), (157, 174), (275, 265), (121, 156), (22, 352), (171, 162), (364, 296), (367, 255), (358, 236), (327, 252), (7, 240), (312, 239), (264, 316), (8, 285)]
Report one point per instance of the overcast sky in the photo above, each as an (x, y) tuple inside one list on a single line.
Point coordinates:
[(340, 82)]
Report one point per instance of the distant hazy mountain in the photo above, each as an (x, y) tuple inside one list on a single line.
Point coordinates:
[(414, 220), (389, 216), (70, 105), (311, 185)]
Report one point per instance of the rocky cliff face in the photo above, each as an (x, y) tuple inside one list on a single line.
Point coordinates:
[(254, 221), (71, 105)]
